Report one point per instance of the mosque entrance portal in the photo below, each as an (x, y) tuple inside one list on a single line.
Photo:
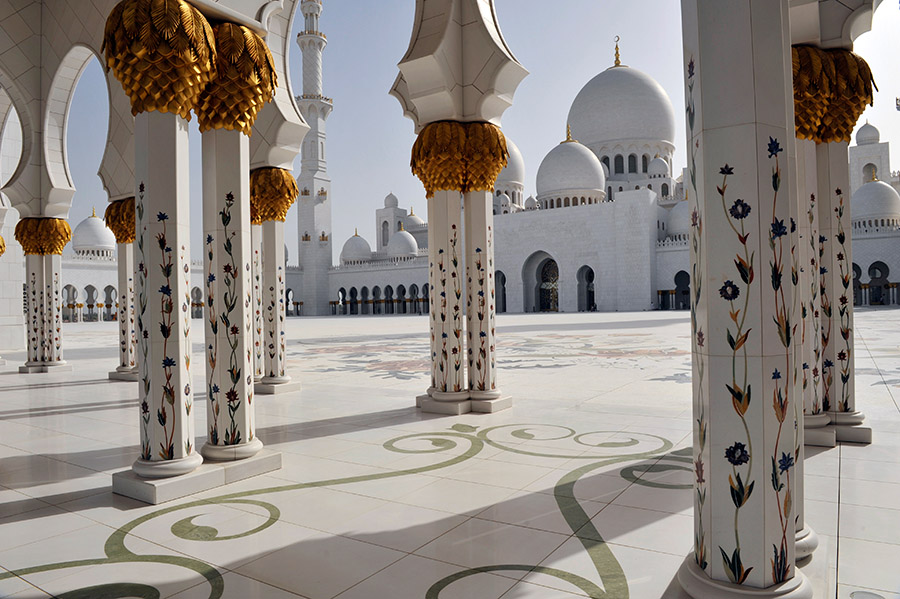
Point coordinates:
[(549, 288)]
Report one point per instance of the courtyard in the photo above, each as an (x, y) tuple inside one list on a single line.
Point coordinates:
[(583, 488)]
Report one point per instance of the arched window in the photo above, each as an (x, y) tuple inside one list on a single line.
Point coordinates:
[(649, 186), (665, 190), (870, 172), (645, 160), (632, 163), (605, 160), (620, 164), (566, 202), (385, 233), (609, 194)]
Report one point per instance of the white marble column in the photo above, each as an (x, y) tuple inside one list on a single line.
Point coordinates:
[(815, 420), (836, 294), (275, 378), (806, 540), (259, 361), (162, 216), (229, 297), (43, 292), (481, 304), (433, 297), (448, 361), (125, 314), (739, 117)]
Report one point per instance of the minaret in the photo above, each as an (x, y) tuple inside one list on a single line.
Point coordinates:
[(314, 213)]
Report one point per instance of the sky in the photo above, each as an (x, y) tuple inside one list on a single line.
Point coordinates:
[(563, 44)]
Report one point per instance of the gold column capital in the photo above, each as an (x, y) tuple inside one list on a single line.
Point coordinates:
[(272, 193), (43, 236), (245, 80), (162, 52), (119, 217)]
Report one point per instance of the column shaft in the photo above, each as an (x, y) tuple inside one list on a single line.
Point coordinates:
[(448, 362), (739, 121), (34, 297), (273, 300), (162, 216), (125, 312), (434, 300), (259, 361), (481, 310), (229, 335)]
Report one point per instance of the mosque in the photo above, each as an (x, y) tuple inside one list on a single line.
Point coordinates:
[(607, 190), (628, 460)]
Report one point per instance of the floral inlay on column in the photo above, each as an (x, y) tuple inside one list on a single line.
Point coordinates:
[(844, 356), (781, 464), (698, 338)]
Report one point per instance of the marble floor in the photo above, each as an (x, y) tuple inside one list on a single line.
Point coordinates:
[(583, 488)]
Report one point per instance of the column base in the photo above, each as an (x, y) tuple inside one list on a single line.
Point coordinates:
[(847, 427), (816, 420), (698, 585), (166, 468), (231, 453), (489, 406), (41, 367), (127, 376), (207, 476), (819, 437), (806, 542), (430, 405), (271, 386), (462, 403)]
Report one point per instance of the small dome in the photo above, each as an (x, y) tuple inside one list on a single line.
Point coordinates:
[(92, 235), (679, 219), (867, 134), (390, 201), (402, 245), (514, 171), (531, 203), (414, 220), (658, 168), (504, 199), (356, 249), (875, 200), (570, 166), (622, 103)]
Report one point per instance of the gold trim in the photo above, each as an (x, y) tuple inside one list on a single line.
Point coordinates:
[(162, 52), (618, 62), (245, 80), (2, 246), (273, 191), (449, 155), (43, 236), (831, 90), (119, 217)]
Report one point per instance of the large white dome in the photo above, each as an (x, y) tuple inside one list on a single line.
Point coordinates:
[(679, 219), (402, 245), (514, 171), (867, 134), (622, 103), (570, 166), (356, 249), (92, 235), (875, 200)]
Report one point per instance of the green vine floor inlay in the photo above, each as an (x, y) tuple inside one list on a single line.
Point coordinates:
[(609, 449)]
